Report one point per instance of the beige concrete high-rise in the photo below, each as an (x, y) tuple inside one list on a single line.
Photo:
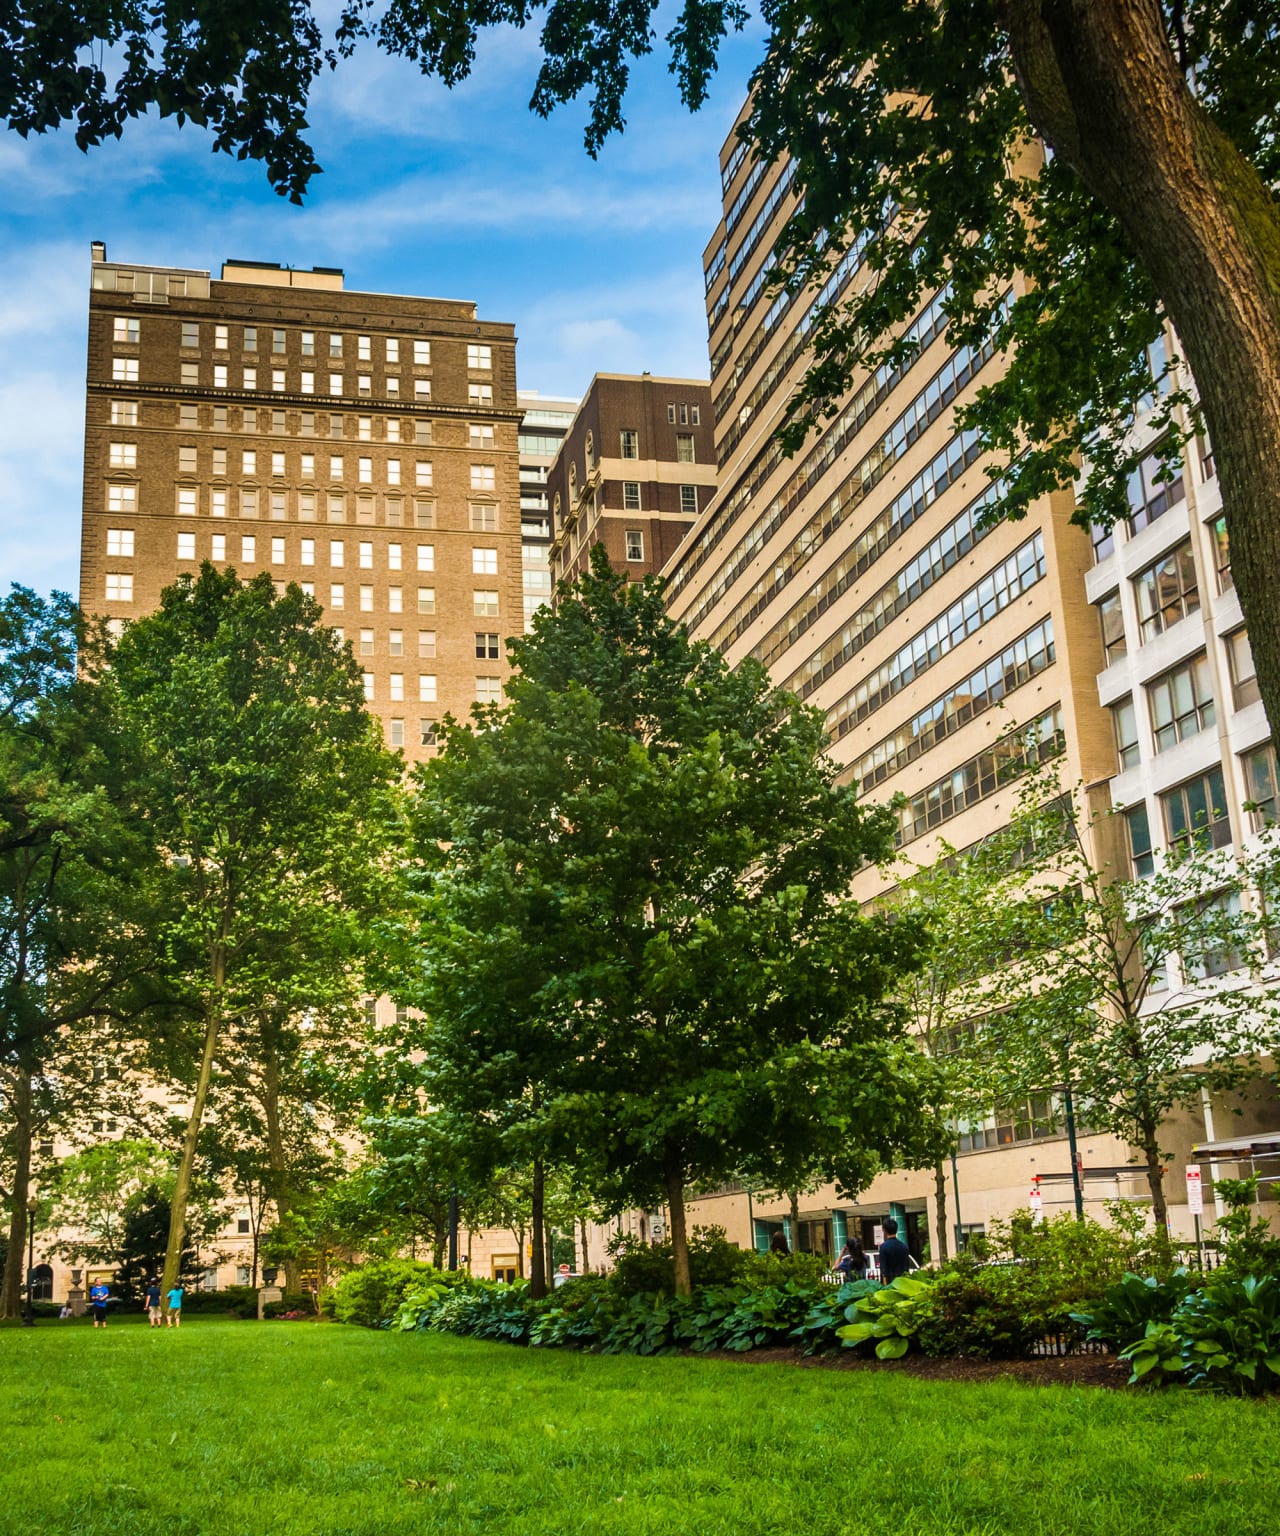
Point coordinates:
[(361, 444), (945, 652)]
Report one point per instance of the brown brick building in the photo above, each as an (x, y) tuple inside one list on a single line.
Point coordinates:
[(637, 466), (361, 444)]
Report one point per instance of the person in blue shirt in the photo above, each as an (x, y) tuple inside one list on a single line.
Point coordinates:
[(154, 1318), (99, 1295), (174, 1298), (894, 1255)]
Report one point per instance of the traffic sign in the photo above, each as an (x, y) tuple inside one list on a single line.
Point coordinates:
[(1195, 1190), (565, 1270)]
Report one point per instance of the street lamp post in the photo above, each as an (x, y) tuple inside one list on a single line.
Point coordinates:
[(29, 1311)]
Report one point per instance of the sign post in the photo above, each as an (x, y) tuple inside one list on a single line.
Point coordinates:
[(1195, 1204), (1036, 1201)]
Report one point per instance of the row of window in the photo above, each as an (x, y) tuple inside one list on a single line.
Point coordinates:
[(126, 330), (1181, 702), (118, 588), (249, 503), (1166, 592), (194, 417), (1196, 814), (484, 562), (124, 370), (275, 464)]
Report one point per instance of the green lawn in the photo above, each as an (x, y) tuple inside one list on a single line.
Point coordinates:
[(288, 1429)]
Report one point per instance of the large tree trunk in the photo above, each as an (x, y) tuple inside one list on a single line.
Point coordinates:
[(538, 1262), (1103, 86), (940, 1211), (1154, 1165), (182, 1186), (276, 1158), (679, 1237), (16, 1254)]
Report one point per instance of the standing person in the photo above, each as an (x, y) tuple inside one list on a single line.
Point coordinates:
[(778, 1245), (99, 1295), (895, 1256), (155, 1318), (852, 1263), (174, 1298)]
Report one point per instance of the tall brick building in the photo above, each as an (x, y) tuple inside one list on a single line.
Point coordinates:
[(361, 444), (636, 467)]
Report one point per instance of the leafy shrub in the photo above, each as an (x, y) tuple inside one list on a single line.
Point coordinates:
[(292, 1306), (783, 1268), (892, 1316), (982, 1315), (651, 1324), (501, 1312), (578, 1315), (648, 1268), (372, 1293), (1230, 1334), (1125, 1311), (765, 1315), (1156, 1354), (828, 1312), (1248, 1245)]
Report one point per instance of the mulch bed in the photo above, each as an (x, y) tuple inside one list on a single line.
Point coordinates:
[(1069, 1370)]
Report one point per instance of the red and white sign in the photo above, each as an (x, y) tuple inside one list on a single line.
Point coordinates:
[(1195, 1190), (564, 1269)]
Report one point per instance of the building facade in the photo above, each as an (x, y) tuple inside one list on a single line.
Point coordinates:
[(363, 445), (543, 423), (636, 467), (947, 652)]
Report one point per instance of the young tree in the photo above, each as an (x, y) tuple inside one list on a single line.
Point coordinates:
[(654, 851), (267, 784), (1129, 995), (905, 121), (73, 951)]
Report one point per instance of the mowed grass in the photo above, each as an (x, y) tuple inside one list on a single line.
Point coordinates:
[(293, 1429)]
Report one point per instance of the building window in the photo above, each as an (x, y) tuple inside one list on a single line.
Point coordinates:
[(366, 598), (393, 349), (480, 394), (119, 588), (394, 557), (122, 498), (426, 557), (221, 338), (366, 642), (631, 495), (484, 516), (124, 370), (367, 679), (1124, 721), (479, 356), (395, 599), (1195, 814), (629, 441), (484, 605), (277, 551), (427, 643), (395, 683), (484, 562), (1222, 913), (187, 500), (422, 389), (395, 733), (366, 554), (124, 413), (422, 472), (421, 354), (479, 436), (335, 346), (308, 555), (426, 688), (308, 343), (337, 552), (1103, 538), (1167, 591), (395, 642), (186, 546), (335, 383), (1111, 619), (1260, 784), (1181, 703), (364, 384), (689, 500), (488, 690), (684, 448), (120, 541), (308, 384), (487, 647), (251, 378), (124, 329), (218, 547), (337, 595), (427, 732), (337, 507), (1150, 498), (1244, 678), (1222, 556), (248, 503), (248, 546), (125, 456), (426, 599), (483, 477), (424, 513), (635, 544)]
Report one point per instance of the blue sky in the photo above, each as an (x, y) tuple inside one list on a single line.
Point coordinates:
[(462, 194)]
